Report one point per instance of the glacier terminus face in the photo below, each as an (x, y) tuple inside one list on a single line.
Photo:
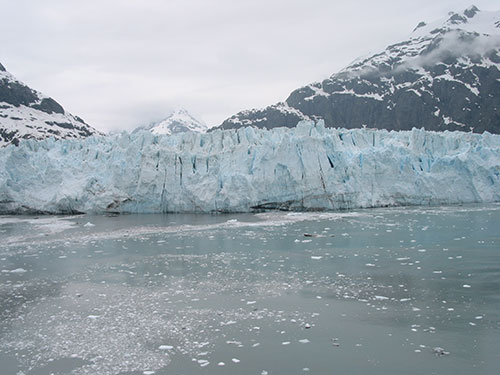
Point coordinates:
[(309, 167)]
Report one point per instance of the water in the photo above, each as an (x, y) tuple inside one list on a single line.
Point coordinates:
[(359, 292)]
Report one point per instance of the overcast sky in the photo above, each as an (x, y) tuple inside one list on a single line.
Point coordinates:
[(123, 63)]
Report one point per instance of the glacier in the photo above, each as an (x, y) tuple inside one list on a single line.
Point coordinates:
[(308, 167)]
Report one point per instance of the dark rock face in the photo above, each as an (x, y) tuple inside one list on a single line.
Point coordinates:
[(49, 105), (471, 12), (16, 94), (443, 79), (438, 104)]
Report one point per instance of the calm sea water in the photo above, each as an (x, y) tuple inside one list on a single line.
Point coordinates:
[(358, 292)]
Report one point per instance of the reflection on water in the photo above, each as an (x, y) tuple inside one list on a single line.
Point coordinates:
[(373, 291)]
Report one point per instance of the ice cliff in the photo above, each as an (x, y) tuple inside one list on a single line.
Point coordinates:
[(303, 168)]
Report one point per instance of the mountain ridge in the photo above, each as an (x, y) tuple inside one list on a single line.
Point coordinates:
[(446, 76), (26, 113)]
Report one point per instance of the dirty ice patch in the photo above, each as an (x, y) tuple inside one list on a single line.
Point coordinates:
[(53, 224)]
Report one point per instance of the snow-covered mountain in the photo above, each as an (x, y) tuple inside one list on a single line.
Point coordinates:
[(28, 114), (446, 75), (177, 121), (303, 168)]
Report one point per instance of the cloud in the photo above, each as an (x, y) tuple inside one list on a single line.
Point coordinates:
[(454, 44)]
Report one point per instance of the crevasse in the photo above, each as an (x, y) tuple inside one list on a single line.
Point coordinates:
[(303, 168)]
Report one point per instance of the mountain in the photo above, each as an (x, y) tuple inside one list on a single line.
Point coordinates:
[(177, 121), (445, 76), (26, 113), (308, 167)]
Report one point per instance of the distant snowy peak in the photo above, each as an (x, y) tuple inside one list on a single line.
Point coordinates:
[(469, 33), (28, 114), (471, 20), (444, 76), (178, 121)]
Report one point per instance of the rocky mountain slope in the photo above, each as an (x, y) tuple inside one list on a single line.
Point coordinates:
[(177, 121), (445, 76), (26, 113)]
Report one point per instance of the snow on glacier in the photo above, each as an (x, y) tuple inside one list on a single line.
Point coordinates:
[(303, 168)]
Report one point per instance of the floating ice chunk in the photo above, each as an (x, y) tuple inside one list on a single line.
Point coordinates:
[(304, 341), (230, 322), (285, 343), (93, 317), (381, 298), (438, 351), (18, 270), (89, 225), (251, 302), (221, 364), (165, 347), (316, 257), (203, 362), (466, 286), (235, 360), (148, 372)]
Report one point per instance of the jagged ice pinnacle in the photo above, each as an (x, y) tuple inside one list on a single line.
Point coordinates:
[(307, 167)]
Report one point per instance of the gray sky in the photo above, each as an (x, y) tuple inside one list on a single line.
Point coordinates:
[(123, 63)]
